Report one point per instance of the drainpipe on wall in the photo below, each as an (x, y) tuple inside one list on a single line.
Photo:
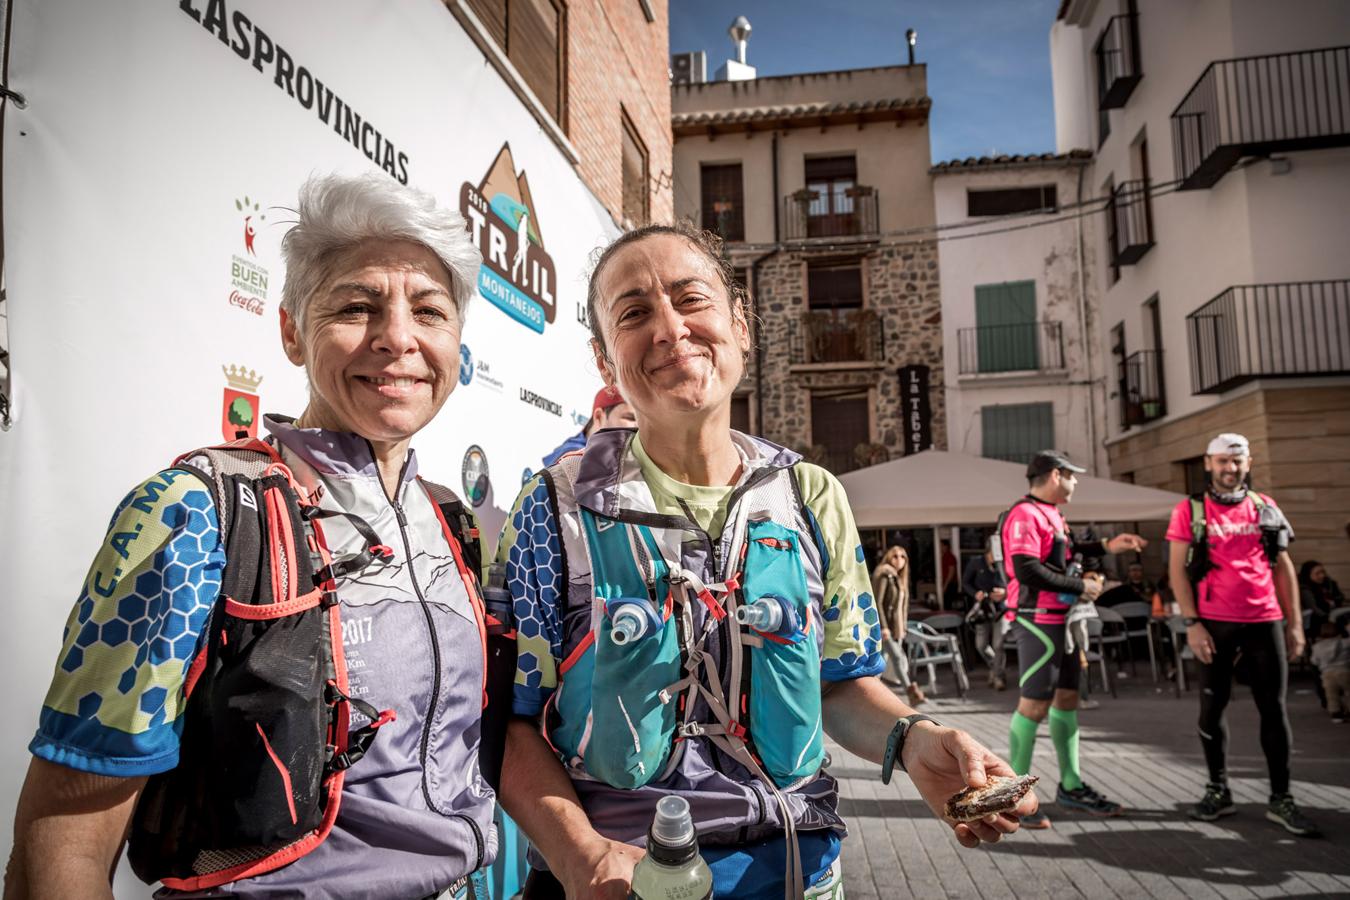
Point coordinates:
[(754, 279), (1083, 333)]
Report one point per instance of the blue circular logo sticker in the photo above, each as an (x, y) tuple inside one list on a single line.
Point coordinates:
[(465, 364)]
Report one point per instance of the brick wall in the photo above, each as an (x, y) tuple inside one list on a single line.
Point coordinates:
[(617, 59)]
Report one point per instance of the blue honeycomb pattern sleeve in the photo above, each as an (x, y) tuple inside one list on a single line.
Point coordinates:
[(531, 549), (852, 625), (116, 698)]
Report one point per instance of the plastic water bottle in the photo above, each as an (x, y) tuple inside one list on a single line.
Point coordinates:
[(497, 599), (672, 868), (1074, 570), (768, 615)]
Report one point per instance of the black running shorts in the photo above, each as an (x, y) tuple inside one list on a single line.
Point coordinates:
[(1044, 663)]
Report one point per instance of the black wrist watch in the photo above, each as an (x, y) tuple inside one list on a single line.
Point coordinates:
[(895, 744), (1189, 621)]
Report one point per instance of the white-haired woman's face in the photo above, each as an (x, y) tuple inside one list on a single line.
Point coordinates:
[(380, 342)]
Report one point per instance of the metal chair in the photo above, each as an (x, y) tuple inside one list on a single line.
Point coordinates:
[(1096, 649), (1337, 614), (1181, 651), (1116, 634), (929, 648), (955, 625), (1137, 616)]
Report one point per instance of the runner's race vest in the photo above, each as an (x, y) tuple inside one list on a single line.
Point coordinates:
[(266, 741), (626, 711)]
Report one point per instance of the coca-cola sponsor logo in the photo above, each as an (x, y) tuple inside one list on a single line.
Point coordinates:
[(247, 303)]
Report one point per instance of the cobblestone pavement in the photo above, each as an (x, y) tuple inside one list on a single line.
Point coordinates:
[(1141, 750)]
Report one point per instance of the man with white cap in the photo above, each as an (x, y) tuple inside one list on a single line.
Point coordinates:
[(1237, 590)]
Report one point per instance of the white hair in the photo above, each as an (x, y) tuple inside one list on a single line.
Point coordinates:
[(338, 212)]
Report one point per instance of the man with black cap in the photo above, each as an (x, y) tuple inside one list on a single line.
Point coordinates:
[(1037, 550), (1237, 590)]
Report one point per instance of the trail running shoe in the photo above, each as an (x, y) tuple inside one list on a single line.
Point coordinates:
[(1284, 811), (1086, 799), (1218, 801)]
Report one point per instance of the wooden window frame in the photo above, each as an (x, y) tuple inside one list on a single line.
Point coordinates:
[(630, 130)]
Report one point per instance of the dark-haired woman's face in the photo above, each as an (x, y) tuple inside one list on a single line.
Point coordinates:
[(1317, 575), (675, 344)]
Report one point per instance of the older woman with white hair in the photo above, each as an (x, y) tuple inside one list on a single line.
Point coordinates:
[(273, 677)]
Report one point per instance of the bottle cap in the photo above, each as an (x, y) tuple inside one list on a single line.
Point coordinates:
[(673, 825)]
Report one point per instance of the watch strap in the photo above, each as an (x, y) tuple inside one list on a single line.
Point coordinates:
[(895, 744), (1190, 620)]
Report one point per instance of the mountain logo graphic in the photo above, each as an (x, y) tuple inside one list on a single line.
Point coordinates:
[(517, 275)]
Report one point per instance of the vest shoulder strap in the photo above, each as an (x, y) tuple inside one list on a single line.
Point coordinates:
[(1199, 532), (461, 523)]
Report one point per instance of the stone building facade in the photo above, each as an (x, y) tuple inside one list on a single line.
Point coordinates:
[(819, 184)]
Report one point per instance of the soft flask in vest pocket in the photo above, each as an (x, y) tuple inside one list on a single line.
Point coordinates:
[(634, 656), (785, 668)]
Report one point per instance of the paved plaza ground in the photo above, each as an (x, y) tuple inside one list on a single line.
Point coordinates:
[(1140, 749)]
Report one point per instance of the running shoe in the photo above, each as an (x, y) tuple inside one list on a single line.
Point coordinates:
[(1218, 801), (1285, 812), (1036, 821), (1086, 799)]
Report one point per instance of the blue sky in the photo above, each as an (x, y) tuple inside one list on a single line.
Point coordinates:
[(988, 60)]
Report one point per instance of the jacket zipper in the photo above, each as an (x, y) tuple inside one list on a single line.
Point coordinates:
[(435, 674)]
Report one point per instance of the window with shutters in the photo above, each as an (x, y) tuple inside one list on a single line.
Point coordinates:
[(833, 286), (723, 198), (1017, 432), (531, 34), (634, 174), (1005, 327), (839, 425)]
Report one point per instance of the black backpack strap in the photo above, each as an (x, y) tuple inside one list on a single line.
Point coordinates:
[(461, 523)]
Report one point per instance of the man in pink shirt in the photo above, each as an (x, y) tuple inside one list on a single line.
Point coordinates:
[(1037, 552), (1236, 588)]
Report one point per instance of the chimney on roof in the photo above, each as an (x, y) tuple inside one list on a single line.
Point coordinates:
[(737, 69)]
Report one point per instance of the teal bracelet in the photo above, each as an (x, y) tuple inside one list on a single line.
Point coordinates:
[(895, 744)]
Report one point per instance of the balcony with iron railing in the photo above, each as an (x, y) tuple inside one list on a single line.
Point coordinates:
[(845, 212), (834, 336), (1129, 222), (1142, 398), (1259, 105), (1269, 331), (1117, 53), (1024, 347)]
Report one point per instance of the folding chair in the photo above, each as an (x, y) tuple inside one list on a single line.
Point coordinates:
[(1137, 616), (955, 625), (1181, 651), (1096, 650), (1115, 633), (931, 649)]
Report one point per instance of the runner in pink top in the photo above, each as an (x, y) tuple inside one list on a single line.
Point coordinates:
[(1241, 586), (1037, 549), (1248, 605)]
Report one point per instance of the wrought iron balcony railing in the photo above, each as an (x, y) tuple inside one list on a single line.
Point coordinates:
[(1117, 53), (837, 336), (1129, 222), (844, 212), (1269, 331), (1258, 105), (1024, 347), (1142, 397)]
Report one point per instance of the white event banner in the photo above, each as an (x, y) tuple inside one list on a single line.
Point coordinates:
[(146, 191)]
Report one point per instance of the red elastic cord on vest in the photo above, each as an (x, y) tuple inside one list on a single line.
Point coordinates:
[(386, 716), (382, 551), (775, 543), (737, 730)]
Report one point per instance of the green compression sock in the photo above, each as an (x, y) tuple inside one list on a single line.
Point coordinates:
[(1021, 741), (1064, 732)]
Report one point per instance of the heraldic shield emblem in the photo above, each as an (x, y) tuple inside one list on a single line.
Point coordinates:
[(240, 409)]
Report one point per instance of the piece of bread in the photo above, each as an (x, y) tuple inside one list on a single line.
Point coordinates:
[(999, 795)]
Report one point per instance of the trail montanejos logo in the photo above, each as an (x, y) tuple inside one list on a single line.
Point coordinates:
[(516, 276), (239, 413)]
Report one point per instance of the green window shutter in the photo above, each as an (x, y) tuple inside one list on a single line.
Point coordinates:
[(1005, 318), (1016, 433)]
